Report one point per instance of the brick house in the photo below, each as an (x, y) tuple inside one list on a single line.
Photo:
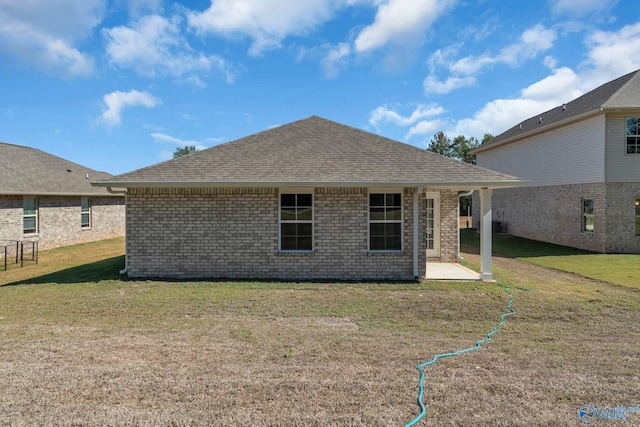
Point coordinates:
[(312, 199), (582, 161), (51, 200)]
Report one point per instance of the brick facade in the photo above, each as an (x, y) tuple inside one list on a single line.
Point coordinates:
[(449, 224), (234, 233), (553, 214), (59, 220)]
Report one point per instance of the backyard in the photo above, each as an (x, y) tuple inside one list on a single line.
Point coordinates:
[(79, 345)]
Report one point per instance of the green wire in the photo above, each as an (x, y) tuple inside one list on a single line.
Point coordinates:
[(423, 410)]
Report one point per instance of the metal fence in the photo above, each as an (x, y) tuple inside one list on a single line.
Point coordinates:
[(22, 250)]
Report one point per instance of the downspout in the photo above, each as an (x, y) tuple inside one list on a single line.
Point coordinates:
[(126, 246), (416, 230), (465, 194)]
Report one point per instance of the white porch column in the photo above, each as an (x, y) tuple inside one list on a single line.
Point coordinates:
[(485, 234)]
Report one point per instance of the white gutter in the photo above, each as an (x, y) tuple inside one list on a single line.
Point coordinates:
[(468, 193), (126, 246), (416, 230)]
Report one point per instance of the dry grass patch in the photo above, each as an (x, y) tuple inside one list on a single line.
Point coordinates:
[(118, 352)]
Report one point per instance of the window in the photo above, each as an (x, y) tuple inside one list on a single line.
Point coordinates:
[(633, 136), (637, 217), (30, 215), (296, 222), (85, 212), (587, 215), (385, 222)]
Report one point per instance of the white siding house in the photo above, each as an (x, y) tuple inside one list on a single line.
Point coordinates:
[(582, 162)]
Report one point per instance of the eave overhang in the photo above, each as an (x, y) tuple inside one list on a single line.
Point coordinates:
[(449, 185)]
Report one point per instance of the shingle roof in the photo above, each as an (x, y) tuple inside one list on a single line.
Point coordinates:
[(623, 92), (312, 151), (29, 171)]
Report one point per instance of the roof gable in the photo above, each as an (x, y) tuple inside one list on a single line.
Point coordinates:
[(623, 92), (25, 170), (311, 151)]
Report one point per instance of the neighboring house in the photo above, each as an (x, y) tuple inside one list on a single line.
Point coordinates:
[(312, 199), (51, 200), (583, 163)]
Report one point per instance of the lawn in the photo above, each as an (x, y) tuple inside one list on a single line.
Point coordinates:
[(81, 346), (621, 269)]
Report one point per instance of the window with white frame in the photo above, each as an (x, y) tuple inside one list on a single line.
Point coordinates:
[(637, 216), (633, 135), (85, 212), (30, 215), (587, 215), (296, 222), (385, 222)]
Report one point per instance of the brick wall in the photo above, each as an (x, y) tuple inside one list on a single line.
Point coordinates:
[(449, 211), (620, 225), (233, 233), (554, 214), (59, 220)]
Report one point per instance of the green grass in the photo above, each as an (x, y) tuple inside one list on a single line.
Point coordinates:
[(621, 269), (81, 263)]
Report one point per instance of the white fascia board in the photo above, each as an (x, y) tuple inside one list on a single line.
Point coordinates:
[(468, 185)]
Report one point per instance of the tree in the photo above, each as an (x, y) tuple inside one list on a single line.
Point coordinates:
[(461, 147), (188, 149), (441, 144), (487, 137), (458, 149)]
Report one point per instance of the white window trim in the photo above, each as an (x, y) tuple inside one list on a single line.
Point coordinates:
[(296, 191), (626, 152), (89, 212), (401, 220), (35, 215)]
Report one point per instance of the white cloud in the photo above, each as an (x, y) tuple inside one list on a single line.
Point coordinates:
[(116, 101), (400, 22), (533, 41), (44, 32), (427, 127), (385, 114), (562, 86), (433, 85), (579, 8), (154, 46), (335, 59), (266, 22), (612, 54)]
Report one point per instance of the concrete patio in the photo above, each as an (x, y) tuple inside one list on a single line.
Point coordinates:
[(449, 271)]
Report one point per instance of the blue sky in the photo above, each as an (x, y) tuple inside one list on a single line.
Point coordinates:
[(118, 85)]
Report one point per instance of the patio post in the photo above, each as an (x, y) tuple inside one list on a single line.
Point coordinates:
[(485, 234)]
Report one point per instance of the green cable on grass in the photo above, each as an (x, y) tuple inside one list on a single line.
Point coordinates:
[(423, 410)]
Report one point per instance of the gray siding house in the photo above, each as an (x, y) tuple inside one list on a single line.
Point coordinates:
[(582, 161), (312, 199), (50, 200)]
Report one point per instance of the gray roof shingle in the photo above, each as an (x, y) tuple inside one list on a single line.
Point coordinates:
[(623, 92), (311, 151), (29, 171)]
